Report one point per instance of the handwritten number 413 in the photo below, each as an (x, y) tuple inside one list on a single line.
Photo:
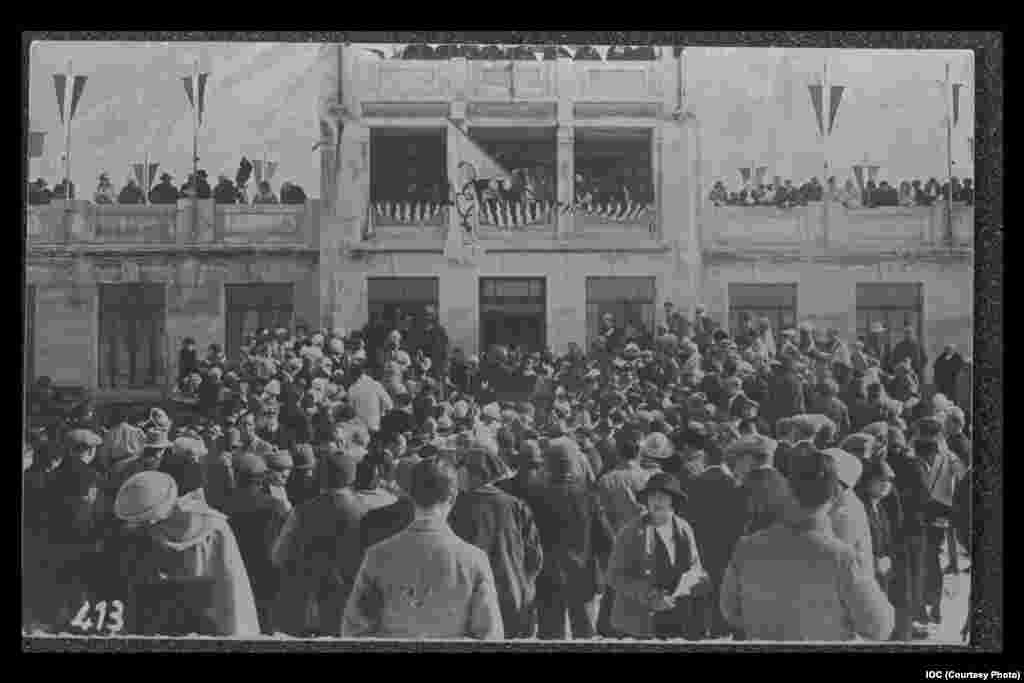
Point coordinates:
[(109, 616)]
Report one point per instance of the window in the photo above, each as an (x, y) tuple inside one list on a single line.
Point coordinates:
[(516, 175), (513, 313), (629, 299), (132, 319), (391, 297), (776, 302), (408, 175), (894, 305), (30, 335), (253, 307), (614, 172)]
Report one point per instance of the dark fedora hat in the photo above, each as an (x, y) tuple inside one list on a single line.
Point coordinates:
[(664, 483)]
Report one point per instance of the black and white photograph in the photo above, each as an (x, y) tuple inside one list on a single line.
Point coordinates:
[(589, 343)]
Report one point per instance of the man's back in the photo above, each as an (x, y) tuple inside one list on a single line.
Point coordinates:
[(790, 584), (618, 490), (366, 396), (382, 523), (425, 582)]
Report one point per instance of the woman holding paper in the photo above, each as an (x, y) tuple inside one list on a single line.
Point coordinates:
[(655, 568)]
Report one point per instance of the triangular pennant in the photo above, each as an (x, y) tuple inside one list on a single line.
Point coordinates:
[(139, 169), (187, 80), (201, 95), (835, 97), (745, 174), (257, 170), (60, 83), (152, 174), (761, 172), (76, 94), (271, 170), (956, 102), (815, 90), (858, 172)]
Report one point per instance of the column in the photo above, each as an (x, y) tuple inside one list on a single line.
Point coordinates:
[(453, 158), (565, 223)]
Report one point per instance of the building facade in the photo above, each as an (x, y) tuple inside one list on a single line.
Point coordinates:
[(112, 291)]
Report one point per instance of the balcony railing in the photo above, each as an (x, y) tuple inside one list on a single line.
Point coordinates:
[(884, 229), (188, 222)]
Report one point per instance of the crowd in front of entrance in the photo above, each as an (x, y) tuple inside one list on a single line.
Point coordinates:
[(871, 195), (683, 484)]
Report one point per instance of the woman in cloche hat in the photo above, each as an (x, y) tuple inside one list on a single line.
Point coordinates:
[(655, 568)]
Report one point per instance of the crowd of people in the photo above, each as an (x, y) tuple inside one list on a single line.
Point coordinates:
[(165, 192), (689, 484), (850, 195), (529, 53)]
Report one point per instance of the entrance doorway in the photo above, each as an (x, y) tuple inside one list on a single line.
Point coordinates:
[(513, 313)]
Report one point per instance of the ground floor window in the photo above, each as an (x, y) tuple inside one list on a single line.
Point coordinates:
[(252, 307), (132, 320), (30, 335), (513, 313), (400, 302), (629, 299), (895, 305), (774, 301)]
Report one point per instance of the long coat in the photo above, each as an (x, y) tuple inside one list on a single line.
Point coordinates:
[(503, 527), (716, 515), (768, 499), (631, 574)]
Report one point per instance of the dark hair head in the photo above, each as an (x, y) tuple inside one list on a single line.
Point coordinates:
[(434, 481), (628, 448), (813, 480)]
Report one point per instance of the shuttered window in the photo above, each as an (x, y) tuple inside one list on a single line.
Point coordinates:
[(895, 305), (256, 306), (775, 301), (629, 299), (132, 321)]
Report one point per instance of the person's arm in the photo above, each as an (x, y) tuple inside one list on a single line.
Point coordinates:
[(362, 611), (533, 552), (484, 614), (866, 605)]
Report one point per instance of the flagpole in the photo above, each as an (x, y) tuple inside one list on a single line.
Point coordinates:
[(68, 96), (949, 157), (824, 149), (195, 123)]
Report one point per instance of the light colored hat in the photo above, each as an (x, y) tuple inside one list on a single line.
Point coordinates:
[(273, 387), (460, 410), (338, 333), (189, 448), (313, 352), (492, 411), (317, 339), (848, 466), (753, 445), (656, 447), (146, 497), (84, 438), (336, 346)]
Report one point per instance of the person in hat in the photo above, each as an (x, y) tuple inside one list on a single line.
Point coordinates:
[(164, 192), (619, 489), (153, 450), (131, 193), (256, 517), (797, 582), (303, 485), (909, 347), (369, 398), (265, 194), (876, 491), (849, 518), (39, 193), (280, 465), (425, 582), (575, 536), (503, 527), (190, 556), (655, 567), (104, 191), (271, 429), (786, 392), (318, 552), (765, 491), (219, 479), (528, 463), (374, 474)]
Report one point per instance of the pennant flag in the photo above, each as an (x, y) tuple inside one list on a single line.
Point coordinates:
[(745, 174), (816, 101), (35, 144), (60, 82), (257, 170), (152, 174), (76, 94), (139, 170), (201, 95), (271, 169), (761, 172), (873, 172), (956, 102), (858, 172), (187, 80), (484, 165), (835, 97)]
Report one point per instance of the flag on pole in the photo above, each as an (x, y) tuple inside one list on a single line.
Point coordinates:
[(201, 95), (956, 102), (152, 174), (745, 174), (60, 82), (187, 80), (257, 170), (815, 90), (484, 165), (76, 94), (858, 172), (835, 97), (271, 169), (761, 172), (139, 170), (35, 144)]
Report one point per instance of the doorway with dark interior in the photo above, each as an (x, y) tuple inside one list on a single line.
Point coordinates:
[(513, 313)]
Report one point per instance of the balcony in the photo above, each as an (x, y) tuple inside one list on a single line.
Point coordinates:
[(188, 223), (733, 230)]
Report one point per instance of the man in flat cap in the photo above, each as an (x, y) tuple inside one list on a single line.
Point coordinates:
[(767, 496)]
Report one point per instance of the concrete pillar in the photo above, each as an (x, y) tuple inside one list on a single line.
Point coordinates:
[(565, 223), (679, 227)]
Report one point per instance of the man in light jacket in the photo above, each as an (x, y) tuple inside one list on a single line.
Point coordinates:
[(796, 582), (426, 582), (369, 398), (849, 518)]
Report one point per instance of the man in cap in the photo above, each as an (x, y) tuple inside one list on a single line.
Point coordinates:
[(431, 339), (425, 582), (766, 494), (703, 328), (613, 336), (280, 465), (786, 392), (318, 552), (796, 581), (575, 536), (131, 193), (675, 322), (849, 518), (164, 192), (909, 347), (369, 398), (503, 527), (192, 565), (256, 518)]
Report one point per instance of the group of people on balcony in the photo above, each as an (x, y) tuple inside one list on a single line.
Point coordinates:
[(526, 52), (786, 195)]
